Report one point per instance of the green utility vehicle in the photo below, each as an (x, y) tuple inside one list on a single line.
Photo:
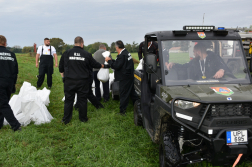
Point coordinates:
[(196, 108)]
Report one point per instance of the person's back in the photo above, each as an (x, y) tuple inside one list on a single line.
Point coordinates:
[(8, 64), (76, 63), (99, 58)]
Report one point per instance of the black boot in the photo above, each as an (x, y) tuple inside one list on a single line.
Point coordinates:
[(99, 106), (122, 112)]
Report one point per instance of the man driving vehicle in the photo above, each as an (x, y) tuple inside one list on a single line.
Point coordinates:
[(205, 65)]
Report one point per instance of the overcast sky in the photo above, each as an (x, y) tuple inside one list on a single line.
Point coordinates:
[(24, 22)]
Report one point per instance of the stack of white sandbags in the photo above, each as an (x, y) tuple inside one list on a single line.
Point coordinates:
[(30, 105)]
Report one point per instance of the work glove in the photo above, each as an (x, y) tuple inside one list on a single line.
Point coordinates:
[(13, 89), (63, 79), (106, 66)]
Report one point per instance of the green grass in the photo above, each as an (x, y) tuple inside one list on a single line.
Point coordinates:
[(107, 139)]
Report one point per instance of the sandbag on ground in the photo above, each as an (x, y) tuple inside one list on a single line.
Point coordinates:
[(30, 105)]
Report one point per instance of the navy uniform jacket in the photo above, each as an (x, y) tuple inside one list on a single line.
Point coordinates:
[(123, 66), (76, 63), (9, 66), (212, 65)]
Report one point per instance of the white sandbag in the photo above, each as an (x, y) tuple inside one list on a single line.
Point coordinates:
[(111, 80), (26, 88), (29, 105), (140, 65), (15, 104), (44, 96), (103, 74)]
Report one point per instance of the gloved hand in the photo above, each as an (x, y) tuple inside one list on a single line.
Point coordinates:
[(13, 89), (106, 66), (63, 79)]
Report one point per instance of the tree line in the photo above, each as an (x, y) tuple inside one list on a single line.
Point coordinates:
[(61, 46)]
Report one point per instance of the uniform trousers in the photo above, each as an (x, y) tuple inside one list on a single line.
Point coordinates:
[(127, 90), (48, 70), (90, 96), (5, 109), (81, 87)]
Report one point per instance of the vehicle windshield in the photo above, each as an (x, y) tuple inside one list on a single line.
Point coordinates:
[(204, 62)]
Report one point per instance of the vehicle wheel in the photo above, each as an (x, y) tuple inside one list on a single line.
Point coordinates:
[(169, 152), (114, 97), (233, 66), (137, 114)]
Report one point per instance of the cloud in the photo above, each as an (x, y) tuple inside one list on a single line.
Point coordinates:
[(29, 21)]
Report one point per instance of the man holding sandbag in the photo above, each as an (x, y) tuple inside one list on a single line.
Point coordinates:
[(75, 66), (124, 73), (100, 58)]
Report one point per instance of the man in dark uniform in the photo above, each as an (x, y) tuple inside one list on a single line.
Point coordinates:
[(46, 53), (205, 65), (8, 79), (75, 65), (124, 73), (152, 48)]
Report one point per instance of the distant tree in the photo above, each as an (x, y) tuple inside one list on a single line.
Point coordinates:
[(66, 47), (27, 49), (92, 48), (112, 47), (58, 44), (16, 50), (176, 44), (128, 47), (134, 47), (184, 45), (86, 48), (167, 44)]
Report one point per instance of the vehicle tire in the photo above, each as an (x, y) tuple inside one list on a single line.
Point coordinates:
[(233, 66), (169, 152), (137, 114)]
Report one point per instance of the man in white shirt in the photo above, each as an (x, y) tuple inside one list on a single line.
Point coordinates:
[(46, 53)]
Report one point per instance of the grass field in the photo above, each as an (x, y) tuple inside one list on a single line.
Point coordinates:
[(107, 139)]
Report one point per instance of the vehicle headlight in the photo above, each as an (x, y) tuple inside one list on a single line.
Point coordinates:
[(185, 104)]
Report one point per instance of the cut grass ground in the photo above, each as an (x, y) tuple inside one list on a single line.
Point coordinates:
[(107, 139)]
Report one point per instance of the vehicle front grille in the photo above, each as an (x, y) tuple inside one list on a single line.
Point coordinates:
[(223, 110)]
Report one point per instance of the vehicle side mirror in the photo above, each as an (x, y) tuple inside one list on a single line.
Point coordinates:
[(151, 63)]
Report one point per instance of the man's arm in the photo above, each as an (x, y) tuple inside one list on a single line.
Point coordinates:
[(61, 63), (94, 63), (56, 59), (219, 74), (117, 64), (37, 58), (219, 65)]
